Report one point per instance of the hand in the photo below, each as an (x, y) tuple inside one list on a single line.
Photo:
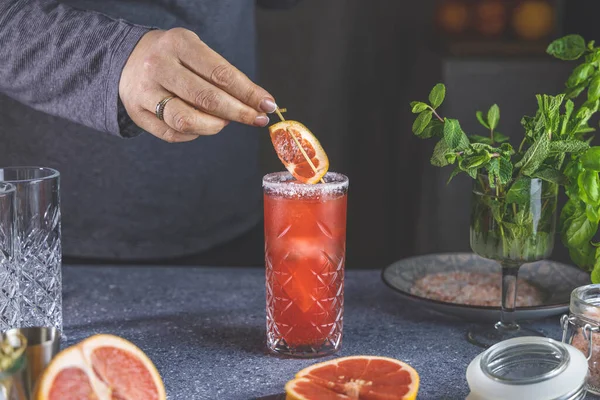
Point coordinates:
[(209, 92)]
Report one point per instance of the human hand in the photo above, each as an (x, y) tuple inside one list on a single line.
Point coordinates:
[(208, 91)]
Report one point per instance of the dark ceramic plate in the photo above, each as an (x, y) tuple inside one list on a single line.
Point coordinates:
[(555, 280)]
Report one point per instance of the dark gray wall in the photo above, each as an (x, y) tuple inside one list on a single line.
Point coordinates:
[(348, 69)]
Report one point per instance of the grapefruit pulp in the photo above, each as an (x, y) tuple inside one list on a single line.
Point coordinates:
[(292, 157), (355, 378), (102, 367)]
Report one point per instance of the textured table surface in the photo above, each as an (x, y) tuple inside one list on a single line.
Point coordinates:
[(205, 328)]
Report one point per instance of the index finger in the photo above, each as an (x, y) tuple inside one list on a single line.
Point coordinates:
[(212, 67)]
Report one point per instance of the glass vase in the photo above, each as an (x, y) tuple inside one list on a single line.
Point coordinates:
[(513, 224)]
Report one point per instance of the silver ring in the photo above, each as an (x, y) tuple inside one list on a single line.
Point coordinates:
[(160, 107)]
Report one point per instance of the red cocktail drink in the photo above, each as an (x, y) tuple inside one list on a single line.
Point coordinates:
[(305, 247)]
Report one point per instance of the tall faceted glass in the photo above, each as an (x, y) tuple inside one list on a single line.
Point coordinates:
[(9, 280), (38, 255), (305, 251)]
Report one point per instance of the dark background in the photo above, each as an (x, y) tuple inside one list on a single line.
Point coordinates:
[(349, 68)]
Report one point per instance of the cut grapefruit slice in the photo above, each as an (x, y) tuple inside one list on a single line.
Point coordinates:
[(355, 378), (306, 171), (102, 367)]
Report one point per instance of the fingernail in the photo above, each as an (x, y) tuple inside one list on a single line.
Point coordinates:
[(268, 106), (261, 120)]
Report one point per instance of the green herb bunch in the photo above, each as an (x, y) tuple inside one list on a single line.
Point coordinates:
[(555, 148)]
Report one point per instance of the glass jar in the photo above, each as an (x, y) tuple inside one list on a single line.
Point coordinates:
[(532, 368), (581, 329)]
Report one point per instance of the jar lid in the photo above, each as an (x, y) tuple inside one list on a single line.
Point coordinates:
[(534, 368)]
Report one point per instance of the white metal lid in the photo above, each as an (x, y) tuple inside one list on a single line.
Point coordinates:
[(532, 368)]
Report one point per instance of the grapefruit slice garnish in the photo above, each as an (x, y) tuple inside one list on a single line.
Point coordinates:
[(102, 367), (355, 378), (307, 163)]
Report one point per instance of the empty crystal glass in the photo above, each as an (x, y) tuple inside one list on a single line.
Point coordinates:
[(37, 244), (9, 282)]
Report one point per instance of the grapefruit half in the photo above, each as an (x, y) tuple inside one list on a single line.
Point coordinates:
[(292, 157), (102, 367), (355, 378)]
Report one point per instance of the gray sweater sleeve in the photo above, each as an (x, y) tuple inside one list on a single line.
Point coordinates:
[(66, 62)]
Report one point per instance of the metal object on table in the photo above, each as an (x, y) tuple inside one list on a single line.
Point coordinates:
[(43, 343), (12, 364)]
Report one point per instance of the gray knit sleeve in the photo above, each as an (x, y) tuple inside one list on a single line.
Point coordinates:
[(66, 62)]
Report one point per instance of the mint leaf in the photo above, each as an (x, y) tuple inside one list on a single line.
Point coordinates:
[(570, 47), (519, 191), (421, 122), (435, 128), (507, 149), (535, 155), (550, 175), (581, 117), (481, 119), (594, 89), (528, 123), (418, 106), (568, 146), (500, 138), (505, 170), (455, 172), (569, 107), (454, 136), (438, 159), (580, 74), (480, 139), (475, 161), (585, 129), (493, 168), (472, 172), (437, 95), (493, 116)]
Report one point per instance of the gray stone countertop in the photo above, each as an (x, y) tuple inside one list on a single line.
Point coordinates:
[(204, 328)]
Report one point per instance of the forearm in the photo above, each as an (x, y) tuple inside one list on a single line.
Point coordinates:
[(64, 61)]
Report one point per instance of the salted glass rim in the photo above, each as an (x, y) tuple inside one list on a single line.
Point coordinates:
[(49, 174), (280, 180)]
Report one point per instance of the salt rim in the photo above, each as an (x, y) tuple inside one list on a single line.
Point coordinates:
[(278, 184)]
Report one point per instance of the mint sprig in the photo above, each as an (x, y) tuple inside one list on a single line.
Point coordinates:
[(555, 148)]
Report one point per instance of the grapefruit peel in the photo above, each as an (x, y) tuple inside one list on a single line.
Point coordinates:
[(80, 358)]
